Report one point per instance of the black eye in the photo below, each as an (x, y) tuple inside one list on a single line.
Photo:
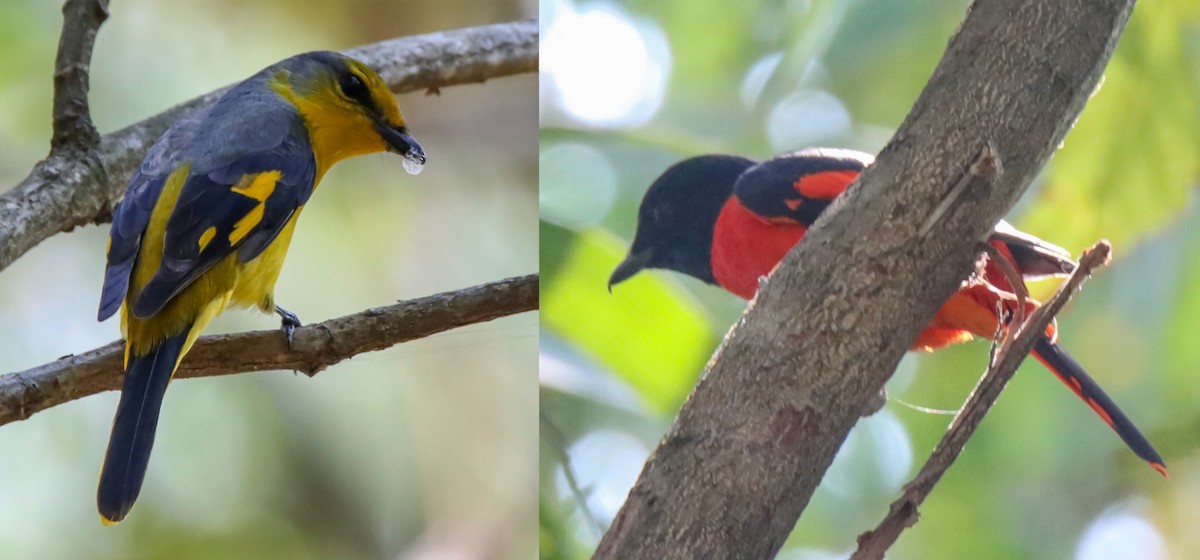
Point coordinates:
[(355, 89)]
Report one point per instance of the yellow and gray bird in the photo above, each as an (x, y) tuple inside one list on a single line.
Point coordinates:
[(207, 219)]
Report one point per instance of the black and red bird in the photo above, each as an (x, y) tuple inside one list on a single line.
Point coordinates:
[(728, 220)]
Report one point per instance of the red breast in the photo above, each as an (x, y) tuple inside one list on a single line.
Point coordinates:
[(747, 246)]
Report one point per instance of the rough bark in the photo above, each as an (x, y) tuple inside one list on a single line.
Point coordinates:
[(314, 347), (740, 463), (77, 187)]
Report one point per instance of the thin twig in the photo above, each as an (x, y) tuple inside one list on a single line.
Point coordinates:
[(903, 512), (558, 441), (1017, 283), (314, 348), (62, 193)]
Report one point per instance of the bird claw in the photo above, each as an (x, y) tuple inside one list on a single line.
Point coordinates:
[(289, 323)]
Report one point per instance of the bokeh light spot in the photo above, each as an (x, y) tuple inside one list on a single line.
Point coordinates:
[(607, 69), (1119, 534), (802, 119), (606, 463), (577, 185)]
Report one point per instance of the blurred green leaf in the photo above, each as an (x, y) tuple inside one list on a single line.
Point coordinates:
[(651, 138), (1128, 166), (649, 331), (712, 54), (1182, 358), (884, 54), (555, 541), (809, 32), (554, 248)]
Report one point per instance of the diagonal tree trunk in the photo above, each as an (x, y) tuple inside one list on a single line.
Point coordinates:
[(735, 471)]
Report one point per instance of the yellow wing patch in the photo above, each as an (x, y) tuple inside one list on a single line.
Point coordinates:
[(207, 237), (259, 187), (244, 225)]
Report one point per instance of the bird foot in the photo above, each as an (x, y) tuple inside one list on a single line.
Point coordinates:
[(289, 323)]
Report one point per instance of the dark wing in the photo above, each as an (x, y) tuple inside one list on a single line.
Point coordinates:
[(240, 205), (132, 214), (129, 221), (1032, 257), (799, 186)]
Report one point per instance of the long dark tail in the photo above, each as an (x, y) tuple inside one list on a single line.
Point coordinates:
[(1070, 372), (146, 379)]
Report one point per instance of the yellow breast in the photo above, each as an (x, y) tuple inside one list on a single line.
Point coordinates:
[(255, 284)]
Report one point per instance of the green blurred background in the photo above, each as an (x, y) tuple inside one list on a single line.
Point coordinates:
[(630, 87), (426, 450)]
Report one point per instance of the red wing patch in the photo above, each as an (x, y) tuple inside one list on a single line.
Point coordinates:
[(825, 185)]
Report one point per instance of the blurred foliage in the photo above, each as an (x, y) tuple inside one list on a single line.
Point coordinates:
[(1130, 162), (654, 355), (425, 450), (1042, 478)]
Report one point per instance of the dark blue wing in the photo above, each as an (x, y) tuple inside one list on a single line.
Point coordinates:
[(249, 131), (129, 221), (799, 185), (222, 209), (132, 214)]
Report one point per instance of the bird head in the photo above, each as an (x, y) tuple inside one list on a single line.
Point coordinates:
[(347, 108), (678, 215)]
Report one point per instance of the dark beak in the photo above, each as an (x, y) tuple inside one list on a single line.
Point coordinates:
[(632, 264), (400, 142)]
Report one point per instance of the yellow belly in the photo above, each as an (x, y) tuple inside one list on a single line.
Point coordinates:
[(228, 283), (255, 284)]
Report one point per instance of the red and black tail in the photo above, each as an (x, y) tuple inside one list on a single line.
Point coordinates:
[(146, 379), (1070, 372)]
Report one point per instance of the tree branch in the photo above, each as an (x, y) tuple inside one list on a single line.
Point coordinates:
[(750, 445), (62, 193), (903, 512), (315, 347), (73, 126)]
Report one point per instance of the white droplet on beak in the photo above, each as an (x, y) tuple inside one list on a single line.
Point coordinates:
[(413, 163)]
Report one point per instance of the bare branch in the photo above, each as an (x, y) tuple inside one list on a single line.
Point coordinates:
[(315, 347), (73, 126), (903, 512), (449, 58), (756, 435), (63, 193), (1019, 289)]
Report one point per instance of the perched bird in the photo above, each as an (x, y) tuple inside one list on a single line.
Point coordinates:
[(207, 218), (729, 220)]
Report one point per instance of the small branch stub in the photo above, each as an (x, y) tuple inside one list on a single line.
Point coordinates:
[(982, 172)]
